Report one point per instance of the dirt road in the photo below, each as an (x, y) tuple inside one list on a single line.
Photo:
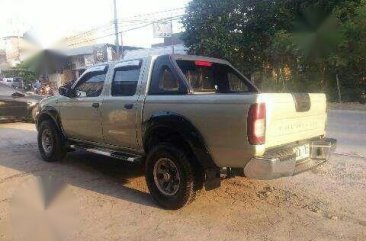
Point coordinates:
[(328, 203)]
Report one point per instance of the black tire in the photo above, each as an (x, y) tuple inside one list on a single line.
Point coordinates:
[(57, 152), (186, 190)]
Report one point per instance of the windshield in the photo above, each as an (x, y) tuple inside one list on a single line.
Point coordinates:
[(210, 77)]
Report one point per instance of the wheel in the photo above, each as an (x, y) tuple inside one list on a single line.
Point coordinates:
[(50, 142), (169, 177)]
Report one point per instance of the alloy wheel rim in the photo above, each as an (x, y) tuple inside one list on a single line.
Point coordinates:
[(47, 141), (166, 176)]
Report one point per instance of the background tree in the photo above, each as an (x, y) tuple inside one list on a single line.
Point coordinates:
[(239, 31), (27, 75), (288, 45)]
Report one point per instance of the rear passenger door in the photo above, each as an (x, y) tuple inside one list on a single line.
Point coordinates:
[(120, 106)]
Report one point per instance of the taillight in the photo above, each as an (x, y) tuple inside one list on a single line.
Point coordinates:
[(257, 124)]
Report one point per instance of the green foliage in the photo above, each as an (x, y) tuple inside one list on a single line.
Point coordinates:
[(239, 31), (285, 45), (29, 69), (33, 64)]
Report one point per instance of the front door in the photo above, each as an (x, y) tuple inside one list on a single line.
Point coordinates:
[(81, 116), (119, 108)]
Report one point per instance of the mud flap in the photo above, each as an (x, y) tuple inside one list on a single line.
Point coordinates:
[(212, 179)]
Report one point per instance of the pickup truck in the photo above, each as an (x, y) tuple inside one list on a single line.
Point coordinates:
[(187, 119)]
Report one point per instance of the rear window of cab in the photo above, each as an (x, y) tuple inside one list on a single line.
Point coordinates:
[(210, 77)]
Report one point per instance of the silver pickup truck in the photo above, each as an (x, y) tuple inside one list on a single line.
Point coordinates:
[(187, 119)]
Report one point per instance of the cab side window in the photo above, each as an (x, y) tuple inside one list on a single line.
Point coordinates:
[(91, 85), (125, 81), (167, 82)]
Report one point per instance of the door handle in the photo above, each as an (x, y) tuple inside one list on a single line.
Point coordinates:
[(95, 105), (128, 106)]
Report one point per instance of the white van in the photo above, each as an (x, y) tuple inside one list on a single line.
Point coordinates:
[(15, 82)]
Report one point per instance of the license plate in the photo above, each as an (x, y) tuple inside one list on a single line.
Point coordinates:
[(302, 152)]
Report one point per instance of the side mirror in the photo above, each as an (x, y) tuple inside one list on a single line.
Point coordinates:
[(65, 91)]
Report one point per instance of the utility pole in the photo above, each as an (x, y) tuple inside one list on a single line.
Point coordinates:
[(339, 89), (172, 37), (18, 42), (121, 46), (116, 29)]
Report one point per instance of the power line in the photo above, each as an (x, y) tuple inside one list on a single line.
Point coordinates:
[(102, 29), (108, 35), (127, 30), (153, 13), (132, 19), (153, 17), (89, 31)]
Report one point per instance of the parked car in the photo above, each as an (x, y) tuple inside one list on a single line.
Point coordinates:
[(16, 105), (188, 119), (14, 82)]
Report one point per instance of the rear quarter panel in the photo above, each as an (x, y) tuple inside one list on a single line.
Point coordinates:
[(221, 120)]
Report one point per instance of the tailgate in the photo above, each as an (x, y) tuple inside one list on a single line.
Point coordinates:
[(294, 117)]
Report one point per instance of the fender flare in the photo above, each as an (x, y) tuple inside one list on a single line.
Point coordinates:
[(49, 112), (185, 129)]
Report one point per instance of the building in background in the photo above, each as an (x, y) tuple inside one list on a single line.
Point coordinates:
[(170, 45), (3, 62), (141, 53), (169, 41), (17, 49), (87, 38), (71, 63)]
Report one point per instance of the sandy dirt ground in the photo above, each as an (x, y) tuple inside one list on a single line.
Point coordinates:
[(328, 203)]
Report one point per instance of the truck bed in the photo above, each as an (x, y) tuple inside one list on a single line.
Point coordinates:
[(222, 121), (285, 125)]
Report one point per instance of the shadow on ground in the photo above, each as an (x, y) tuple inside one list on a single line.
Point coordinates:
[(89, 171)]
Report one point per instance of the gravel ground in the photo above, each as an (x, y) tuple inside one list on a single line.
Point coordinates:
[(328, 203)]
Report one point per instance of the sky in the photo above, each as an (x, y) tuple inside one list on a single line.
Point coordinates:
[(51, 20)]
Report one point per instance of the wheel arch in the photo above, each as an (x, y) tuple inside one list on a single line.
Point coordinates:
[(49, 113), (176, 129)]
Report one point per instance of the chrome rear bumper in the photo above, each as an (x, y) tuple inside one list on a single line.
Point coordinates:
[(282, 162)]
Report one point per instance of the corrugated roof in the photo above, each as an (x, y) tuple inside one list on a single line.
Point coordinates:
[(141, 53), (88, 49), (82, 50)]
